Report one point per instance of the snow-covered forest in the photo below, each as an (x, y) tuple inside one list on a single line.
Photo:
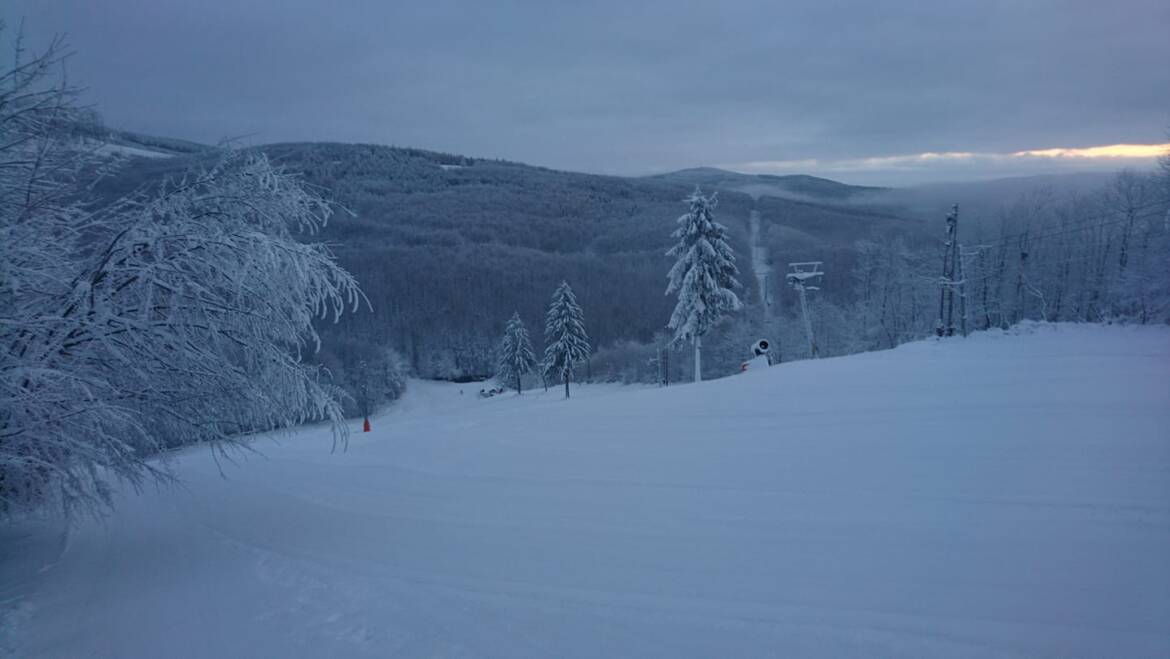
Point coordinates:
[(122, 273), (437, 245)]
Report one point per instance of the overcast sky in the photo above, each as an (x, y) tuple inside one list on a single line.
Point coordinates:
[(863, 91)]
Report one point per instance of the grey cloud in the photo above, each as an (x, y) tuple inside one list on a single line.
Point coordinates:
[(628, 87)]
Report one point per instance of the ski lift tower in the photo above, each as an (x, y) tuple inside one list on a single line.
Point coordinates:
[(802, 276)]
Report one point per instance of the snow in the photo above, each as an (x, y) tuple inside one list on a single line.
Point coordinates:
[(759, 259), (127, 150), (1006, 495)]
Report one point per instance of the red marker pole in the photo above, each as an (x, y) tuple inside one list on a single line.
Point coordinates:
[(366, 425)]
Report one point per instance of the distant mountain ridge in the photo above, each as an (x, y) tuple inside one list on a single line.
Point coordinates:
[(798, 186)]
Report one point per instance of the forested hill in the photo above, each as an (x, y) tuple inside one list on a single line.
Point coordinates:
[(447, 246)]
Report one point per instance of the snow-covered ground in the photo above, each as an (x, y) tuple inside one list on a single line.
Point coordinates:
[(127, 150), (759, 257), (1007, 495)]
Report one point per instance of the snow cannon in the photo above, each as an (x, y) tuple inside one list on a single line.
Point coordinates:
[(760, 358)]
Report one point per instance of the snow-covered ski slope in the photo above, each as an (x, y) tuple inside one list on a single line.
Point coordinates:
[(1007, 495)]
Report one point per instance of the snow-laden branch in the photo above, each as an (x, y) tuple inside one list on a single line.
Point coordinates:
[(170, 317)]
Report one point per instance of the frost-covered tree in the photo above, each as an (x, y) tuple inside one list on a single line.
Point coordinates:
[(371, 374), (516, 358), (1164, 163), (564, 335), (703, 275), (176, 315)]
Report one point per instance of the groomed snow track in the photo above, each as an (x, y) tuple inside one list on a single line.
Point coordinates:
[(1007, 495)]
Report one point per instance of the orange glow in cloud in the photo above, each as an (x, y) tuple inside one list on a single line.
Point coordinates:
[(1107, 151), (1115, 153)]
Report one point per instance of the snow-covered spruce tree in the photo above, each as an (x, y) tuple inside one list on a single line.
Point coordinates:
[(564, 335), (174, 316), (703, 276), (516, 358)]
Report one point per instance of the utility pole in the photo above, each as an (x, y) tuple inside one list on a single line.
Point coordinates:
[(779, 341), (664, 365), (364, 394), (661, 360), (962, 285), (800, 278), (949, 280)]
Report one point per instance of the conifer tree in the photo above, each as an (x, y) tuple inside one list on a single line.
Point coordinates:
[(703, 276), (564, 335), (516, 358)]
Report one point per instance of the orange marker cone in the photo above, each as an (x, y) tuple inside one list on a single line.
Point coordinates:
[(366, 425)]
